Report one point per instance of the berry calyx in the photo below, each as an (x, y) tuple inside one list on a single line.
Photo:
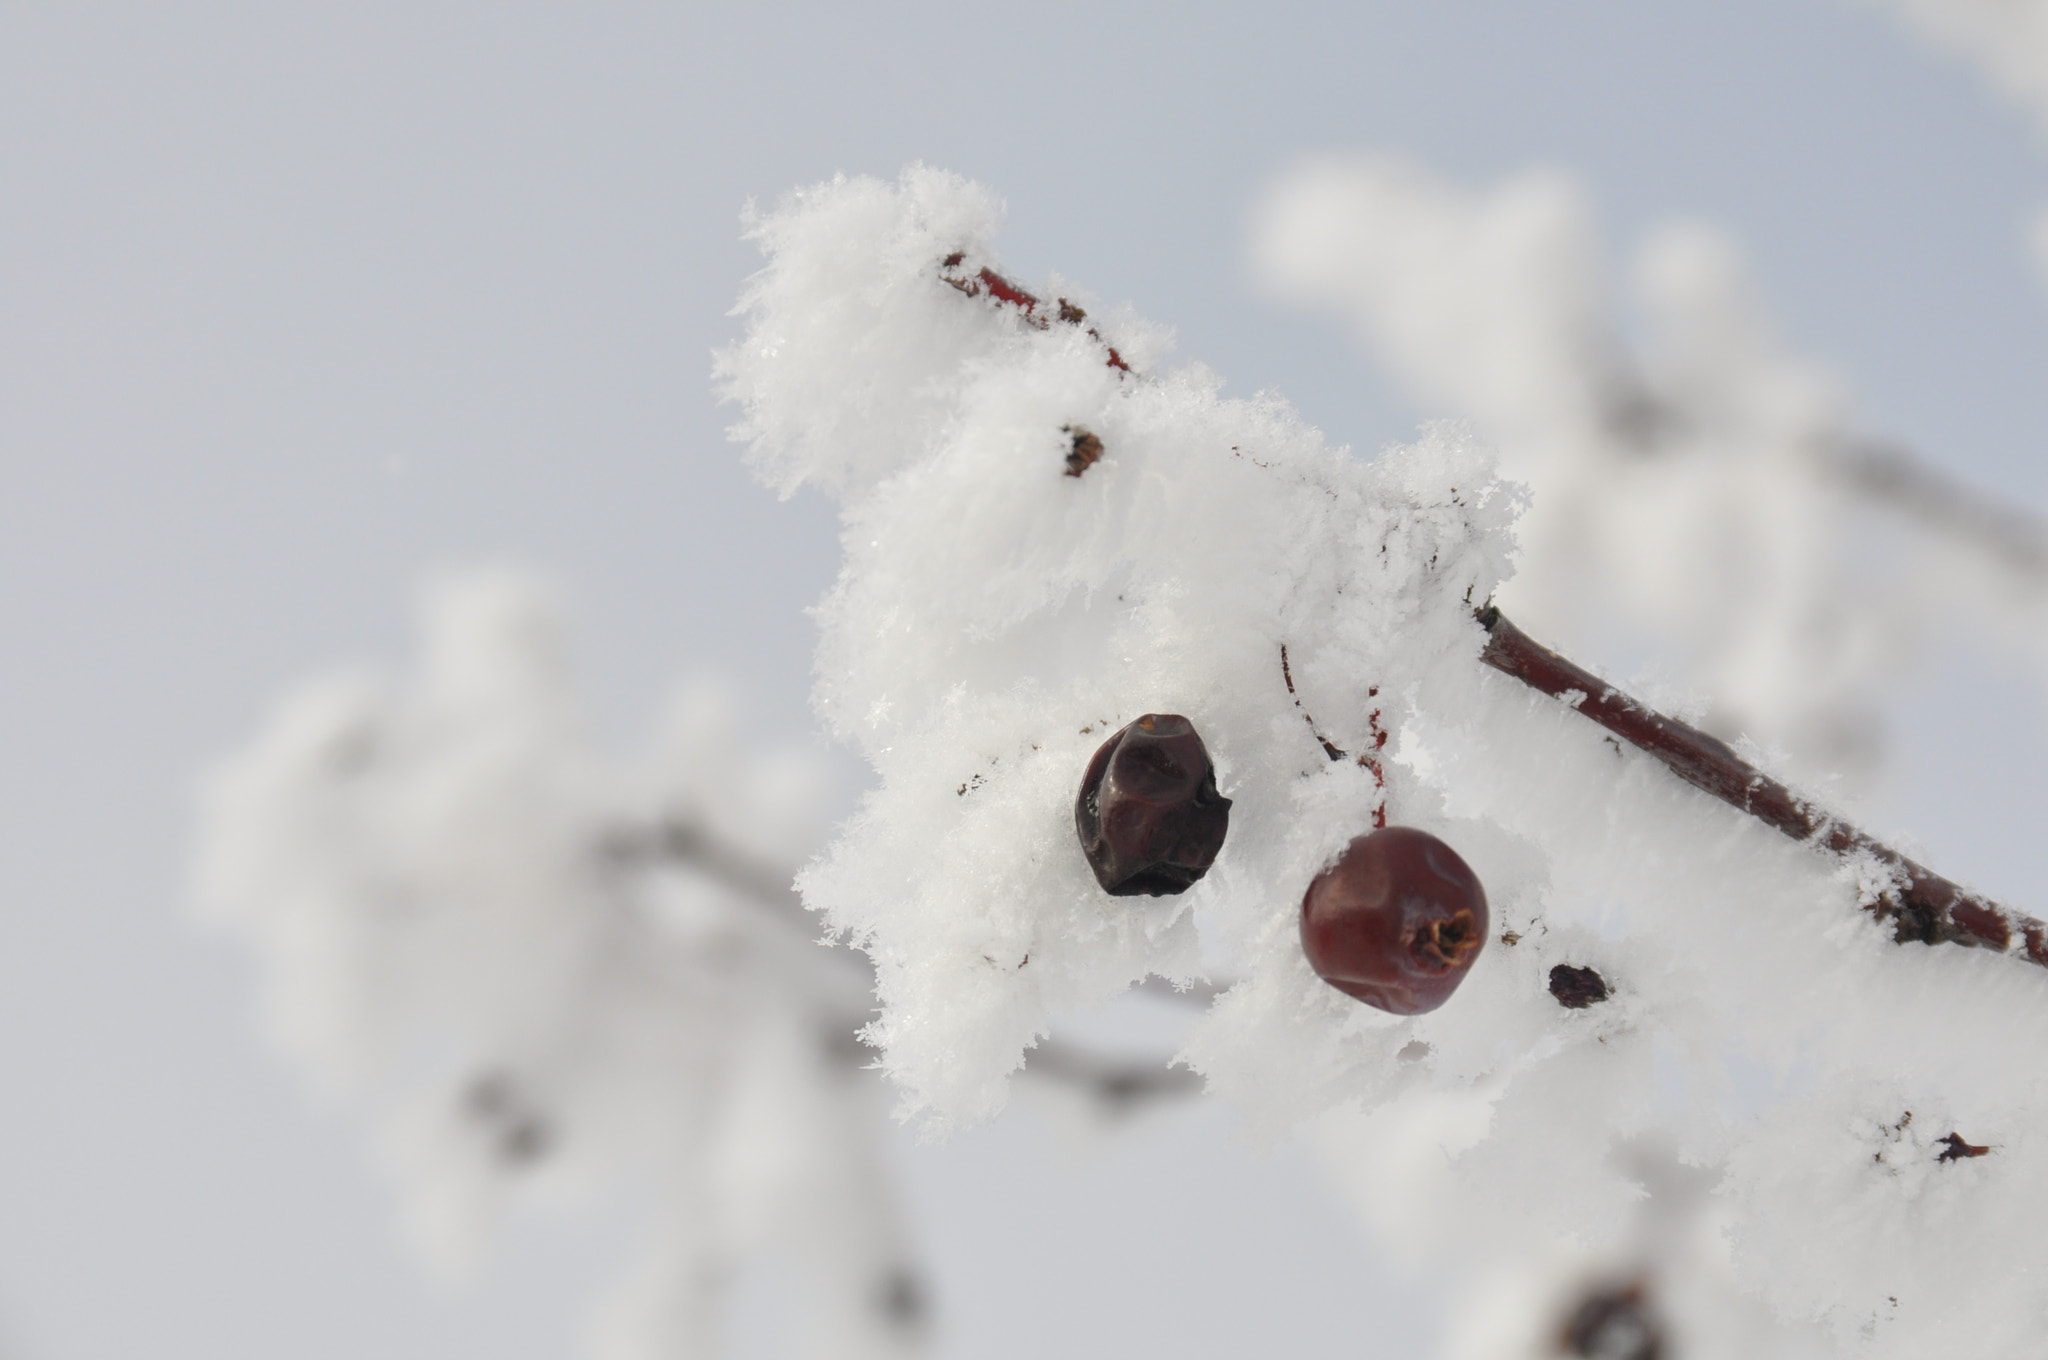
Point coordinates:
[(1396, 922), (1148, 814)]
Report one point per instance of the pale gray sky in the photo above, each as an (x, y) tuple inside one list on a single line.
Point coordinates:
[(298, 302)]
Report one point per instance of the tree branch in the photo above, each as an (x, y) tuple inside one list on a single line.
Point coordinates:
[(1924, 906)]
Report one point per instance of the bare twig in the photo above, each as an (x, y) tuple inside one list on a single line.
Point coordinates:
[(1927, 907)]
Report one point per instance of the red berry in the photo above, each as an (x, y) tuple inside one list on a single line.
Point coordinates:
[(1149, 816), (1397, 921)]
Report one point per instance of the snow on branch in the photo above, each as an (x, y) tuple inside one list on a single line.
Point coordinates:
[(1924, 906), (1006, 608)]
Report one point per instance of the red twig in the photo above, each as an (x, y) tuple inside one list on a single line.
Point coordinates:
[(1927, 907), (986, 280), (1369, 758), (1330, 748)]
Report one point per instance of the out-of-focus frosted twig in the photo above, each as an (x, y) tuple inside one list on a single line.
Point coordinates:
[(1880, 471), (1120, 1085), (674, 841), (1900, 480)]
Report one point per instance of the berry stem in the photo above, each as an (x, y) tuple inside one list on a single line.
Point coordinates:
[(1369, 758), (1330, 748), (1924, 906)]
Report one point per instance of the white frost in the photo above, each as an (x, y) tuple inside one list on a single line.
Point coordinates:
[(996, 618)]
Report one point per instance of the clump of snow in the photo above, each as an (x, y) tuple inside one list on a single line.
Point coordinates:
[(997, 618), (542, 974)]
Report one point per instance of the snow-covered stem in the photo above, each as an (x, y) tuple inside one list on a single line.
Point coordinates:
[(1922, 905)]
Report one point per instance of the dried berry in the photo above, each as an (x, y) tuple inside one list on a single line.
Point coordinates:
[(1397, 921), (1149, 816), (1576, 988)]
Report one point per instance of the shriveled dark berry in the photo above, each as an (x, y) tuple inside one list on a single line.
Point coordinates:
[(1576, 988), (1397, 921), (1149, 816)]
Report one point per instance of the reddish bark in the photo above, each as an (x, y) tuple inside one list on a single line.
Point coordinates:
[(1928, 908), (986, 280)]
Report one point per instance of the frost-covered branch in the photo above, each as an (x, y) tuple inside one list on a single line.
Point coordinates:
[(1924, 906), (1597, 1102), (1885, 474)]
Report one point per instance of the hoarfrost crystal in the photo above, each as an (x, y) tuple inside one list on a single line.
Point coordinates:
[(1001, 611)]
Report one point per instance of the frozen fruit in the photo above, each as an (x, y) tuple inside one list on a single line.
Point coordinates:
[(1396, 922), (1149, 816)]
